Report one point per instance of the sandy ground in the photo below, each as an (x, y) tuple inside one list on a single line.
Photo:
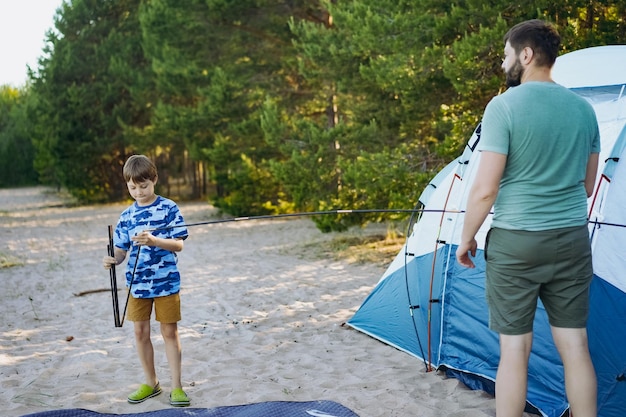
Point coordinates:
[(262, 320)]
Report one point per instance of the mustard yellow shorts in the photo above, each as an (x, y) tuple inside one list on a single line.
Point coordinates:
[(167, 308)]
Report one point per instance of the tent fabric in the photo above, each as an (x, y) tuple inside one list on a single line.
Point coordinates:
[(264, 409), (435, 310), (607, 327), (596, 66), (608, 238)]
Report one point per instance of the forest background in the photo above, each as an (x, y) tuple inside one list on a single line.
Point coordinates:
[(269, 106)]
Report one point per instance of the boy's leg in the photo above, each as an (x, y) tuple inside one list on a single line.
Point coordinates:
[(145, 351), (168, 314), (173, 351), (580, 376), (178, 397), (512, 375)]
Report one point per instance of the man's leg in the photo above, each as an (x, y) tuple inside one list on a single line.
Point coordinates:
[(580, 376), (512, 376)]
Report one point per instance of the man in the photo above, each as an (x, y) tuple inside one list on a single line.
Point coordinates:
[(539, 156)]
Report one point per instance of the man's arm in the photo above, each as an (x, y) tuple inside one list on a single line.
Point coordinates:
[(592, 172), (481, 198)]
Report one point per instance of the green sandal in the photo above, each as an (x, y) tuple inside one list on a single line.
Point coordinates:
[(144, 392), (178, 398)]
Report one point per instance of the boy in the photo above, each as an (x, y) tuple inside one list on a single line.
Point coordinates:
[(146, 230)]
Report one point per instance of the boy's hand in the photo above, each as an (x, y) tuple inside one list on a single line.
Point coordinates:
[(108, 262), (144, 238)]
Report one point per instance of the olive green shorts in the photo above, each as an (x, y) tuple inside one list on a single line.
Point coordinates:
[(553, 265), (167, 308)]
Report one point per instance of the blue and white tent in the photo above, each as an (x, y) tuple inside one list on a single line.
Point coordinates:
[(430, 307)]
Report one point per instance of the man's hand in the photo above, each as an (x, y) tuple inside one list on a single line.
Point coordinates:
[(464, 251)]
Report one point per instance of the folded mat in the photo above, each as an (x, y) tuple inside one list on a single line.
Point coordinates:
[(264, 409)]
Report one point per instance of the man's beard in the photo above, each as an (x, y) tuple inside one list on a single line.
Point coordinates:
[(514, 74)]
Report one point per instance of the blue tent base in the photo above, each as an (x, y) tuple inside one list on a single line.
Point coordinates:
[(477, 382), (265, 409)]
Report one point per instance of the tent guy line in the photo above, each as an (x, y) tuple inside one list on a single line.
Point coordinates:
[(335, 212), (303, 214), (119, 319)]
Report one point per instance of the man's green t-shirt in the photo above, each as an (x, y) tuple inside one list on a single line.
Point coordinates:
[(547, 133)]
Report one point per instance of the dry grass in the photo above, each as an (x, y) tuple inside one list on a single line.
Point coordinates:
[(379, 249), (7, 261), (373, 248)]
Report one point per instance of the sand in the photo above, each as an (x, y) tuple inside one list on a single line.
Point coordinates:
[(263, 320)]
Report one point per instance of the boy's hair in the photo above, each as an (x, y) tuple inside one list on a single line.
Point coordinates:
[(540, 36), (139, 168)]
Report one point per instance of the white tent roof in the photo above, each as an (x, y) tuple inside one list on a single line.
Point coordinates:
[(591, 67)]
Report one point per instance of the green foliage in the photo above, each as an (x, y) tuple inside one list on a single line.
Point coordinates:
[(16, 149), (90, 91), (215, 62), (270, 106)]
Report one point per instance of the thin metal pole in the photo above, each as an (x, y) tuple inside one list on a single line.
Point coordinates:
[(130, 287), (113, 276)]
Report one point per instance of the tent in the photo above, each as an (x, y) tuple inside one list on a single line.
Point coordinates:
[(430, 307)]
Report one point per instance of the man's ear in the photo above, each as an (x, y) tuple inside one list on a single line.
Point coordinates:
[(156, 178), (527, 55)]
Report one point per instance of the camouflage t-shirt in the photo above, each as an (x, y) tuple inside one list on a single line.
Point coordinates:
[(156, 274)]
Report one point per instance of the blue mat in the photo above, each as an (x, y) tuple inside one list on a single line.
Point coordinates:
[(265, 409)]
